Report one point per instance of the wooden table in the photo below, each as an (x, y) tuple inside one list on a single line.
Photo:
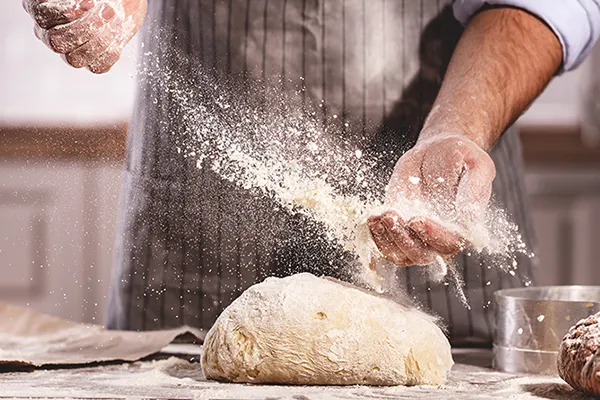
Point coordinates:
[(176, 378)]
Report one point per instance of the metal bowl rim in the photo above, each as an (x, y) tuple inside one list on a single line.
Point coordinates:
[(523, 350), (516, 293)]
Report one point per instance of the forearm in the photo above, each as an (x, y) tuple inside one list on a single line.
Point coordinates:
[(503, 61)]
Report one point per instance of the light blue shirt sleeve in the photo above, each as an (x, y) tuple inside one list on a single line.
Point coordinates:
[(576, 23)]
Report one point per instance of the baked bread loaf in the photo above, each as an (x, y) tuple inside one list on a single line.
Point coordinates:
[(579, 356)]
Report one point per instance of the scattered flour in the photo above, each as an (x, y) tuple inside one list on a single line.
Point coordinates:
[(276, 151)]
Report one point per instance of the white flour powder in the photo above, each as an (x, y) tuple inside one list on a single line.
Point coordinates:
[(286, 155)]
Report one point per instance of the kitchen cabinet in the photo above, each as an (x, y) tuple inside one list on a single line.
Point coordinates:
[(57, 224), (566, 213)]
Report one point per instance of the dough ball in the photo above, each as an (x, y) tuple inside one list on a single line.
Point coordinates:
[(579, 356), (318, 331)]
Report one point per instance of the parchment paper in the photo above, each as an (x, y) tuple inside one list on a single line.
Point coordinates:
[(28, 338)]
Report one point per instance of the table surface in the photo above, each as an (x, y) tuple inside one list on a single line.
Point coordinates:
[(177, 378)]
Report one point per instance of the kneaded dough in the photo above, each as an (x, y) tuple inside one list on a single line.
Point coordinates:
[(318, 331)]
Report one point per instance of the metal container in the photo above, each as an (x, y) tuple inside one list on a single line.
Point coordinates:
[(531, 322)]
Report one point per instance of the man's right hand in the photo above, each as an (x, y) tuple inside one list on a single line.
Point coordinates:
[(88, 33)]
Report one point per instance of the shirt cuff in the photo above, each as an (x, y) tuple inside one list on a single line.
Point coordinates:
[(576, 23)]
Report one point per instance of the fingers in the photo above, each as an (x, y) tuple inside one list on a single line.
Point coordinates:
[(113, 52), (443, 241), (96, 47), (416, 242), (411, 246), (88, 52), (66, 38), (106, 60), (94, 39), (50, 13), (396, 243), (384, 243)]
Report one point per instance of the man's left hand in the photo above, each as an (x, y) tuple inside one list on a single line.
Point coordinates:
[(453, 176)]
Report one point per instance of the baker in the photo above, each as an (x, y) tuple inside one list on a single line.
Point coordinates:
[(403, 74)]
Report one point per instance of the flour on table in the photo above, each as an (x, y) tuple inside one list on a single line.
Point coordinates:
[(180, 379)]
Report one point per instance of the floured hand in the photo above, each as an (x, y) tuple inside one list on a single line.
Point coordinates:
[(451, 175), (88, 33)]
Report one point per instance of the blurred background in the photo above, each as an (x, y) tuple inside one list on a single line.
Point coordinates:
[(62, 139)]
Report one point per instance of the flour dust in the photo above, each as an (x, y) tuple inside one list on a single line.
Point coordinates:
[(276, 145)]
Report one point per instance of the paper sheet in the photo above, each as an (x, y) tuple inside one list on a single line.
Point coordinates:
[(28, 338)]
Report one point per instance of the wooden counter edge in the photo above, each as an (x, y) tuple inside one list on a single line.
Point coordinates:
[(557, 146), (91, 143)]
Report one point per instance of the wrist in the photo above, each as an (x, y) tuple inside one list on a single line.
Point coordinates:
[(443, 123)]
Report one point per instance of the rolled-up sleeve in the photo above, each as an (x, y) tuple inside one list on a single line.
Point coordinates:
[(576, 23)]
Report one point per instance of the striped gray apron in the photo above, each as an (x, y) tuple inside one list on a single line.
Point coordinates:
[(181, 257)]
